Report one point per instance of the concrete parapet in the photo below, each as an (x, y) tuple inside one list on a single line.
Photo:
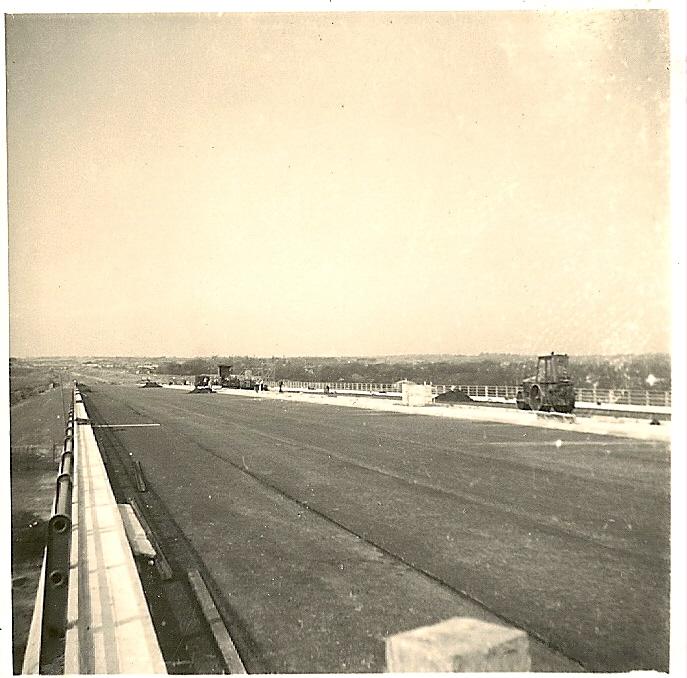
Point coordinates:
[(109, 626), (31, 663), (461, 645)]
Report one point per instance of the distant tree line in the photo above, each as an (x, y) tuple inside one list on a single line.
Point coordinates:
[(603, 371)]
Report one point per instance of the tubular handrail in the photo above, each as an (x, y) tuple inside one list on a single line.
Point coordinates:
[(618, 396), (57, 559)]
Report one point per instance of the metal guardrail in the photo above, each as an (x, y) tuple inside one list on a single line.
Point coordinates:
[(634, 397), (55, 584)]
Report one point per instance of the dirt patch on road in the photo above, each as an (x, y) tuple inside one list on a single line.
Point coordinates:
[(453, 397)]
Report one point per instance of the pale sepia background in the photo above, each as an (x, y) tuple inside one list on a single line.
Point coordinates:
[(339, 184), (343, 184)]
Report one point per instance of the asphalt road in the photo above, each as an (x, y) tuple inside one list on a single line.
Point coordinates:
[(325, 529)]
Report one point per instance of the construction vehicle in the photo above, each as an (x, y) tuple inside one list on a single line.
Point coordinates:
[(226, 378), (202, 383), (551, 388), (229, 380), (149, 383)]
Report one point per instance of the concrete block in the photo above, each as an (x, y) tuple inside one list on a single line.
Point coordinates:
[(416, 395), (460, 645), (134, 532)]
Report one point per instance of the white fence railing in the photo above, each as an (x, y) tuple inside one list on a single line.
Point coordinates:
[(363, 387), (634, 397), (624, 397)]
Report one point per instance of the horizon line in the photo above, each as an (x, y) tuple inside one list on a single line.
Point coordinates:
[(315, 355)]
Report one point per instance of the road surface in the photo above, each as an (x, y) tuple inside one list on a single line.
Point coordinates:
[(323, 529)]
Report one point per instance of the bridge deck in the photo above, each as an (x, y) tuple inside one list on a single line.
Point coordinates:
[(323, 529)]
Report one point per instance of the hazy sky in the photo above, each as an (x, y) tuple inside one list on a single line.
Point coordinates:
[(363, 183)]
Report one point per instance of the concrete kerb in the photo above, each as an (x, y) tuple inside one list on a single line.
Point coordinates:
[(637, 429)]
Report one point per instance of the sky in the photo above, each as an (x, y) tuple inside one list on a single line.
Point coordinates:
[(339, 184)]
